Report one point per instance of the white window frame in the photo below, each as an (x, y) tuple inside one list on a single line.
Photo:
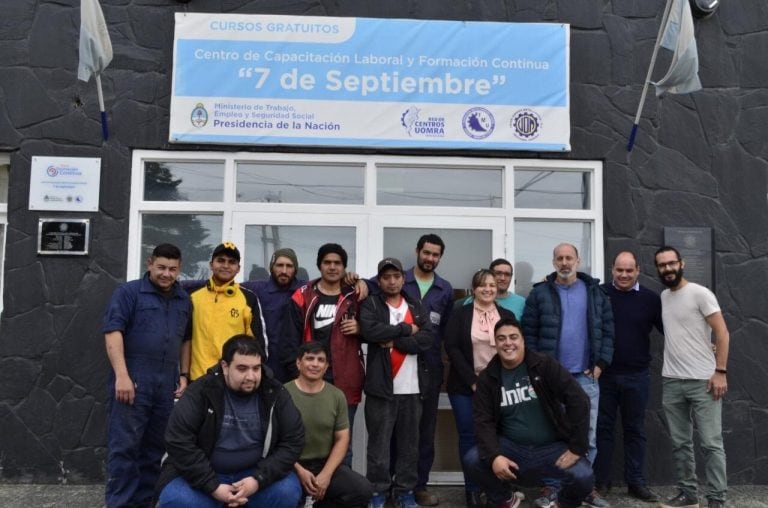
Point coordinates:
[(5, 159), (232, 212)]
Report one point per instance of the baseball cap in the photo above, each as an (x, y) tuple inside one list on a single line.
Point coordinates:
[(227, 248), (390, 262)]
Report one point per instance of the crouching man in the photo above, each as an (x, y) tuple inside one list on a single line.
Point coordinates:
[(234, 437), (531, 421)]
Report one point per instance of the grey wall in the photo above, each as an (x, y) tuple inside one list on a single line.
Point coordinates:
[(700, 160)]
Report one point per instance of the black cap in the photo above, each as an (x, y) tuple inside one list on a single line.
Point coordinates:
[(227, 248), (390, 262)]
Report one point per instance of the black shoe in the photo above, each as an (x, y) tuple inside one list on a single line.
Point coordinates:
[(474, 500), (642, 493), (682, 500)]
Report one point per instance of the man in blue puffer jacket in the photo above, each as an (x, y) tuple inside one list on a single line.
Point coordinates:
[(569, 317)]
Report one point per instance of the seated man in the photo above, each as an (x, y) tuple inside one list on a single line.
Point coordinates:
[(531, 420), (326, 480), (234, 437)]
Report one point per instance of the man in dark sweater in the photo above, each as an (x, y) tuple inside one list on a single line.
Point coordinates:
[(624, 384)]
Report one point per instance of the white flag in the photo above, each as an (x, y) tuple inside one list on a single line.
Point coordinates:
[(95, 46), (683, 73)]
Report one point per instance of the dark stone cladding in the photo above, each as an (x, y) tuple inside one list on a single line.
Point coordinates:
[(700, 160)]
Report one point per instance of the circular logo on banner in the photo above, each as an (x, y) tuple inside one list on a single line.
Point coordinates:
[(527, 124), (52, 171), (478, 123), (199, 116)]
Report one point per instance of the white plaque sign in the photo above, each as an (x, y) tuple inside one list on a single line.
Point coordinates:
[(69, 184)]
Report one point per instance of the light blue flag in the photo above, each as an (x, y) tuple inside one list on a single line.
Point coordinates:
[(683, 73), (95, 51), (95, 45)]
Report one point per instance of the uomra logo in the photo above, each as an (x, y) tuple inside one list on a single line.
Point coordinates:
[(478, 123), (526, 124)]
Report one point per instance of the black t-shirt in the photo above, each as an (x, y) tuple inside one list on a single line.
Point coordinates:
[(322, 325)]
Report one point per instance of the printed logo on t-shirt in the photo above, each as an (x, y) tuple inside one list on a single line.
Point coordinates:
[(324, 315), (521, 393)]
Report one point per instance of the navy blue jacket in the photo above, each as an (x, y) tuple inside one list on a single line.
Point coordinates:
[(542, 320), (153, 325), (438, 303)]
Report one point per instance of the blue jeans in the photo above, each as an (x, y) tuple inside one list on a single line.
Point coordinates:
[(627, 393), (686, 400), (592, 389), (465, 427), (285, 493), (135, 433), (534, 462)]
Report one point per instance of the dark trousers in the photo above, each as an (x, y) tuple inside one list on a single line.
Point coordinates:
[(534, 462), (135, 434), (384, 418), (347, 488), (627, 394)]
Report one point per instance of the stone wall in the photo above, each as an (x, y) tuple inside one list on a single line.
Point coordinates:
[(700, 160)]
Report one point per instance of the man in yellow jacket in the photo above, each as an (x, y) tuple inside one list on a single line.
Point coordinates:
[(220, 309)]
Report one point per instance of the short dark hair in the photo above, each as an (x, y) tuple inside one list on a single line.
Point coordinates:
[(331, 248), (625, 252), (480, 276), (507, 321), (312, 347), (667, 248), (431, 238), (241, 344), (166, 250), (500, 261)]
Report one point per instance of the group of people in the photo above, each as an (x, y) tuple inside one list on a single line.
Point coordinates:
[(269, 375)]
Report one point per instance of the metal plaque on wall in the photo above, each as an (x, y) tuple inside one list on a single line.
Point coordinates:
[(697, 247), (69, 237)]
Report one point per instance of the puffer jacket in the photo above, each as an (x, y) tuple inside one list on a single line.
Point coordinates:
[(542, 320)]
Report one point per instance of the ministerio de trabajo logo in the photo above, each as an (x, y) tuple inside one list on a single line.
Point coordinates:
[(199, 116)]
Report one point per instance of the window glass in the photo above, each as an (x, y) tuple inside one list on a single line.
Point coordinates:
[(184, 181), (300, 183), (458, 263), (262, 240), (195, 234), (534, 243), (458, 187), (547, 188)]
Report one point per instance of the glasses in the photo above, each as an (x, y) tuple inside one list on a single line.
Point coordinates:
[(668, 264), (506, 275)]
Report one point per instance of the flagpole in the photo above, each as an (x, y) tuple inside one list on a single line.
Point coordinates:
[(656, 46), (104, 127)]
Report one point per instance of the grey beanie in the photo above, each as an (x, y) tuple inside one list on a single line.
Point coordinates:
[(287, 253)]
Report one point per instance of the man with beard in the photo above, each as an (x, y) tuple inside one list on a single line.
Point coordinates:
[(693, 380), (424, 285), (569, 316), (625, 384), (220, 309), (234, 437)]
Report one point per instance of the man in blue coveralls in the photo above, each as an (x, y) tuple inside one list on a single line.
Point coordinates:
[(144, 329)]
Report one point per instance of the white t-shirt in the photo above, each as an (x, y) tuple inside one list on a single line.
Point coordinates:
[(688, 350), (407, 379)]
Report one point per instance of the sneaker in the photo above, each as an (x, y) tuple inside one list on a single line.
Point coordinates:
[(642, 493), (377, 501), (407, 500), (512, 502), (682, 500), (714, 503), (595, 500), (547, 497)]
